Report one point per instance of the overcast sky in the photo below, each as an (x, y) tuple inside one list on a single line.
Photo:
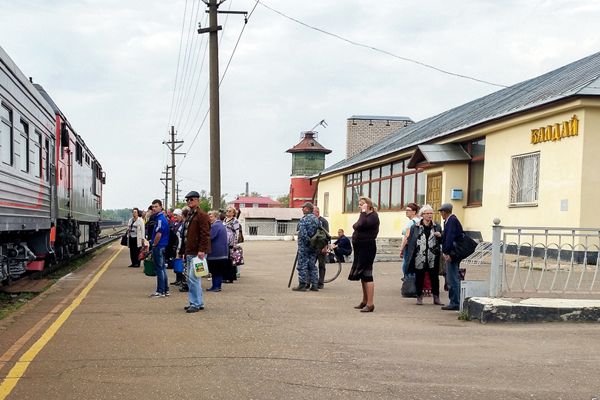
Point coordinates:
[(111, 67)]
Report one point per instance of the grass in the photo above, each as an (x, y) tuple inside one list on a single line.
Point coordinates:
[(11, 302)]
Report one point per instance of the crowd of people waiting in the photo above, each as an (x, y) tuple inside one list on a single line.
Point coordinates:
[(172, 238), (426, 252), (183, 234)]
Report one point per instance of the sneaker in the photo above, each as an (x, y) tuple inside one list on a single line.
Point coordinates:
[(167, 294), (213, 290), (193, 309), (157, 294), (450, 308)]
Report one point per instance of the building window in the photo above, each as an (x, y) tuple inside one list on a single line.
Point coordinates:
[(390, 186), (524, 179), (326, 204), (476, 149), (24, 147), (6, 136)]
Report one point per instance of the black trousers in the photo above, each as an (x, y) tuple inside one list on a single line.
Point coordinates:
[(340, 253), (134, 251), (321, 261), (433, 278)]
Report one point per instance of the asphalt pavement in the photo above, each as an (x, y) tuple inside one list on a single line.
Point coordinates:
[(257, 339)]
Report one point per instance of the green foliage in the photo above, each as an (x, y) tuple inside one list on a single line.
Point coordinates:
[(122, 214), (284, 200)]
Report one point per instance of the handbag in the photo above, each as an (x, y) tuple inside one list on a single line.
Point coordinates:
[(124, 240), (464, 246), (409, 286), (237, 256), (200, 267), (240, 238)]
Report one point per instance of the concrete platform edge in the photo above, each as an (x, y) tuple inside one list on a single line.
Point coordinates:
[(487, 309)]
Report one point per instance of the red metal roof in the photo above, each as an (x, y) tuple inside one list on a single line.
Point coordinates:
[(308, 143), (255, 200)]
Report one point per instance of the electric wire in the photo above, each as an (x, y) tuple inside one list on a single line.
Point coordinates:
[(366, 46), (177, 68), (186, 60), (220, 82)]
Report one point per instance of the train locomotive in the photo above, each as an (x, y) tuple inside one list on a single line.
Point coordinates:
[(50, 182)]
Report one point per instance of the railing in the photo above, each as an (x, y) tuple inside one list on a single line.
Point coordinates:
[(268, 228), (544, 260)]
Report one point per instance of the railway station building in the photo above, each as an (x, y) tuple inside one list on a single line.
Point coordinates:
[(528, 154)]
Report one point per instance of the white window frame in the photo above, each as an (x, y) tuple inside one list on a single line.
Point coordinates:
[(524, 179)]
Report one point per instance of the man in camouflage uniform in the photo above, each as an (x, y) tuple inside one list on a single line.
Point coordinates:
[(307, 256)]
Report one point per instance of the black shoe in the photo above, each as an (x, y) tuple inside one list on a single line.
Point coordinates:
[(321, 286), (451, 308), (314, 288), (193, 309), (300, 288), (190, 306), (176, 283), (184, 289)]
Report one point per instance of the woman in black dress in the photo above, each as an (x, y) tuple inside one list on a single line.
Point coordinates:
[(363, 242)]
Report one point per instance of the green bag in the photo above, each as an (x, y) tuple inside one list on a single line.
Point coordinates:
[(320, 239)]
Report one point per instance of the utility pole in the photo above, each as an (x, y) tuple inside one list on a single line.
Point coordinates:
[(215, 139), (166, 180), (173, 146)]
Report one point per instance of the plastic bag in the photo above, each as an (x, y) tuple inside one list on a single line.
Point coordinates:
[(200, 267)]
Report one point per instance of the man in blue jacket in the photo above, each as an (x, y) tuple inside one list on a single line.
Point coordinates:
[(452, 230), (160, 240)]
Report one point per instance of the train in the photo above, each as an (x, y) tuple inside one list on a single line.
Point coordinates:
[(50, 181)]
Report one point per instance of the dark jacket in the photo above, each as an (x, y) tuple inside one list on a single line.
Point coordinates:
[(197, 233), (452, 230), (413, 245), (366, 228)]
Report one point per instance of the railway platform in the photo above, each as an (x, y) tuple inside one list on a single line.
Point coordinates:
[(97, 335)]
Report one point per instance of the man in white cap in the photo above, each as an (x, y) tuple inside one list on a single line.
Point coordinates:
[(452, 230)]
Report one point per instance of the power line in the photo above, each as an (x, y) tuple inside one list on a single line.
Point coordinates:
[(220, 82), (178, 59), (379, 50)]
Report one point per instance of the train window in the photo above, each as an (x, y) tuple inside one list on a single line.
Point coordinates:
[(24, 147), (47, 154), (78, 153), (6, 135), (36, 154)]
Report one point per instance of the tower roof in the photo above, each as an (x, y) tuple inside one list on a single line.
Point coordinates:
[(308, 144)]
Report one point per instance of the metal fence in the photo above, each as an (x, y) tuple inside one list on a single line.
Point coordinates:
[(544, 260), (268, 228)]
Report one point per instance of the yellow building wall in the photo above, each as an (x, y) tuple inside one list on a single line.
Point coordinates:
[(590, 180), (560, 178), (568, 175)]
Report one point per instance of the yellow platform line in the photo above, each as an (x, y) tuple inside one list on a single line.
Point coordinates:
[(17, 372)]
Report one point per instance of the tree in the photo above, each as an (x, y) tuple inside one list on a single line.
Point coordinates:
[(284, 200)]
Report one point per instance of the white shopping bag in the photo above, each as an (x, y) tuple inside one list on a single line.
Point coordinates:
[(200, 267)]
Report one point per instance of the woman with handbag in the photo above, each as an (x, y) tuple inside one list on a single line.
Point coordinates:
[(424, 247), (233, 238), (135, 235), (365, 234)]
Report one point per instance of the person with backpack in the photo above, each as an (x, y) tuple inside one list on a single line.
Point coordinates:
[(308, 275)]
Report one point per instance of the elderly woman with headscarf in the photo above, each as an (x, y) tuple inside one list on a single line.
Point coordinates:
[(424, 247)]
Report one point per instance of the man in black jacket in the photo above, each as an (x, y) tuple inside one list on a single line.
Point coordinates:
[(452, 230)]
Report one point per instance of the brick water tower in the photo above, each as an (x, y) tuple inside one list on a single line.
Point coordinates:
[(308, 159)]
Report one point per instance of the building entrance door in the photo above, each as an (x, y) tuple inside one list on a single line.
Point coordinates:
[(434, 195)]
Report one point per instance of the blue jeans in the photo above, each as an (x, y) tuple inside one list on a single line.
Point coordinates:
[(162, 281), (194, 284), (453, 282)]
